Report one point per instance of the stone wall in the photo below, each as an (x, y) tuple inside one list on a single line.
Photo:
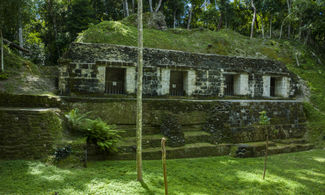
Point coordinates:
[(237, 117), (83, 68), (28, 133)]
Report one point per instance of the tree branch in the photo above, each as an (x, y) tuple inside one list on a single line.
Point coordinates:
[(13, 45)]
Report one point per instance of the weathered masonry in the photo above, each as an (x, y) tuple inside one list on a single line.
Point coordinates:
[(111, 69)]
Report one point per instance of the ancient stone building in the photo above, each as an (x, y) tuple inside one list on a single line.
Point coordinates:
[(111, 69), (218, 108)]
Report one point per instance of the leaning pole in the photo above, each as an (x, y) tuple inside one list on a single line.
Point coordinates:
[(139, 93)]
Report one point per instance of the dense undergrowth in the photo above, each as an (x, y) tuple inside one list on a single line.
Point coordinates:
[(294, 173), (300, 59)]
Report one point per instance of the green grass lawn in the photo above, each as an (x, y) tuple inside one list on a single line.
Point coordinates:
[(295, 173)]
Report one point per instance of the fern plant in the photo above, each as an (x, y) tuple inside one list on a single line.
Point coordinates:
[(95, 131), (101, 134), (76, 119)]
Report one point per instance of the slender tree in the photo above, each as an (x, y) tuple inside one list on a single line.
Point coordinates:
[(150, 5), (289, 12), (158, 6), (254, 18), (126, 8), (139, 93), (189, 18)]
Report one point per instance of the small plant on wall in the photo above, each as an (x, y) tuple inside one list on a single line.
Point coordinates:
[(96, 132), (264, 121), (171, 128)]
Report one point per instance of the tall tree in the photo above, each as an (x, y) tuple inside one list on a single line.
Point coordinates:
[(126, 8), (139, 93), (289, 13), (150, 6), (189, 18), (254, 18), (222, 6), (158, 6)]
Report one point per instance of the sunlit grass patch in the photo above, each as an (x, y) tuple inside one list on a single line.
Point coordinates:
[(295, 173)]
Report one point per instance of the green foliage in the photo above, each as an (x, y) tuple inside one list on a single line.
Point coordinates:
[(80, 16), (75, 119), (4, 76), (101, 134), (316, 125), (264, 119), (96, 131), (292, 173)]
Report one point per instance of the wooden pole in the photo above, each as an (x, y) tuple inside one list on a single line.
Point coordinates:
[(139, 93), (266, 149), (163, 150)]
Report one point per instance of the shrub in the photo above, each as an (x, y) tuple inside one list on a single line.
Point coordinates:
[(75, 119), (95, 131), (101, 134), (3, 76)]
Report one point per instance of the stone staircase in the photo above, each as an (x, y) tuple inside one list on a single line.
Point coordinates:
[(197, 145)]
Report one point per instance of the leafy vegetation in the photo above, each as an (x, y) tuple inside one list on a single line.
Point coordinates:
[(96, 131), (294, 173)]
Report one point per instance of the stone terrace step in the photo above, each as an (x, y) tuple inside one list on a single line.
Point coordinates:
[(152, 141), (291, 141), (130, 130), (187, 151), (258, 148)]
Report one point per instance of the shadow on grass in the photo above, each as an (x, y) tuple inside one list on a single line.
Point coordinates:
[(297, 173), (146, 187)]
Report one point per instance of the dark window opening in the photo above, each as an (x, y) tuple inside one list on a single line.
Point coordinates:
[(229, 85), (272, 87), (115, 79), (176, 87)]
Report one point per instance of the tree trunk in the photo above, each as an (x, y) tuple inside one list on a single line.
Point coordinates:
[(220, 21), (126, 8), (253, 20), (297, 60), (189, 19), (262, 24), (307, 37), (150, 5), (270, 26), (281, 29), (158, 6), (174, 25), (133, 7), (289, 12), (300, 27), (139, 93), (20, 33), (266, 149), (13, 45), (2, 60)]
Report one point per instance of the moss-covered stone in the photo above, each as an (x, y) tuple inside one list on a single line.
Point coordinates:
[(28, 133)]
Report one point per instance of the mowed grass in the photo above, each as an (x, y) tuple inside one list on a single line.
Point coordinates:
[(295, 173)]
